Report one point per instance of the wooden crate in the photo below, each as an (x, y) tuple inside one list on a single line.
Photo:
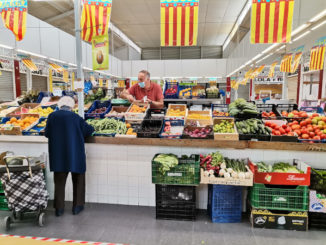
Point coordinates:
[(226, 181), (225, 136), (199, 122), (10, 130), (132, 116), (176, 107)]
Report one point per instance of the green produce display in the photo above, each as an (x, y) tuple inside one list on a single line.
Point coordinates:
[(279, 167), (97, 94), (252, 126), (168, 169), (108, 126), (318, 180), (242, 107), (224, 127)]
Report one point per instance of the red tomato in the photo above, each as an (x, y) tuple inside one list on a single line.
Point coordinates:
[(304, 131), (290, 134), (295, 122), (324, 119), (317, 130), (303, 114), (320, 133), (273, 132), (288, 129), (282, 131), (311, 134), (315, 127), (310, 129), (294, 127), (284, 126), (308, 121), (316, 138), (305, 136), (290, 124), (303, 123), (268, 124), (315, 115), (277, 132), (323, 136), (298, 132)]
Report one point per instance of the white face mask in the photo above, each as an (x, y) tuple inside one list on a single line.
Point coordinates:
[(141, 84)]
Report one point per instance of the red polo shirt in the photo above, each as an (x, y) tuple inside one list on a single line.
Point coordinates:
[(154, 93)]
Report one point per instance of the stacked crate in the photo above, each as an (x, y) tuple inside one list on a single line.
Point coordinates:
[(176, 189), (3, 200), (280, 200)]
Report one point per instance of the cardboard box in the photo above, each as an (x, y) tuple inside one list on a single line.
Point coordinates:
[(317, 202), (297, 221)]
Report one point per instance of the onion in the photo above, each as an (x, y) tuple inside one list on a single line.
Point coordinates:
[(235, 175), (242, 175), (222, 172), (223, 165), (230, 170), (247, 175), (227, 175)]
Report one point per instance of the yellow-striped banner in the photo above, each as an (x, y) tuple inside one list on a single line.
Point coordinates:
[(30, 64), (317, 56), (296, 62), (272, 70), (286, 63), (179, 22), (271, 21)]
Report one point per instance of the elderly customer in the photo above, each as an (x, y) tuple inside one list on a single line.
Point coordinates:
[(66, 132)]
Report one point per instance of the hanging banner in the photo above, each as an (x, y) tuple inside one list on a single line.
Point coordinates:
[(100, 52), (257, 71), (14, 13), (66, 76), (179, 22), (248, 73), (95, 18), (56, 67), (296, 62), (272, 70), (317, 55), (271, 21), (100, 82), (30, 64), (243, 81), (73, 81), (286, 63), (50, 80), (107, 83)]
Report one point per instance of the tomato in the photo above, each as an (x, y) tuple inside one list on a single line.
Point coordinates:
[(298, 132), (311, 142), (317, 130), (304, 131), (323, 136), (288, 129), (273, 132), (324, 119), (268, 124), (303, 123), (282, 131), (308, 121), (290, 124), (303, 114), (320, 133), (305, 136), (316, 138), (290, 134), (295, 122), (315, 115), (277, 133), (324, 126), (311, 134), (284, 126), (310, 129), (294, 127)]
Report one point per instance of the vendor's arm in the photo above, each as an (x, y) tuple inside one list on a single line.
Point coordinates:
[(157, 104), (127, 94)]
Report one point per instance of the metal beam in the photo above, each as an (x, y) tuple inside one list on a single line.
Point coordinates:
[(56, 6), (60, 16)]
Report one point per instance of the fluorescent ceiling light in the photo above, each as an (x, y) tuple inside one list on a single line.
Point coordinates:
[(30, 53), (87, 69), (56, 60), (257, 57), (318, 16), (5, 46), (301, 36), (299, 29), (270, 48), (317, 26), (71, 64), (280, 48)]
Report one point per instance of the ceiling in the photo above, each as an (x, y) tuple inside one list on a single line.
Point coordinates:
[(140, 19)]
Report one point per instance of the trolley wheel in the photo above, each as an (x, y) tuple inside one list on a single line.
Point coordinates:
[(7, 221), (41, 219)]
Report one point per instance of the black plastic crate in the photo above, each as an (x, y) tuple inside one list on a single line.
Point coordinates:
[(175, 202), (150, 128), (284, 138), (155, 113), (317, 220), (268, 108), (96, 105), (254, 137)]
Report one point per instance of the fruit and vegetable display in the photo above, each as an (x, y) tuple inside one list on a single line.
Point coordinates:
[(150, 128), (42, 124), (216, 165), (242, 107), (137, 109), (284, 130), (7, 111), (169, 169), (279, 167), (318, 180), (22, 123), (224, 126), (217, 113), (212, 92), (185, 93), (44, 112), (176, 113), (95, 94), (28, 97), (198, 116), (294, 114), (99, 110), (312, 128), (252, 126), (108, 126), (173, 131), (171, 91), (268, 114), (199, 93), (198, 132), (20, 111)]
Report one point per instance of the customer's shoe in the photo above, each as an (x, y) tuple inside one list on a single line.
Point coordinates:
[(77, 209), (59, 212)]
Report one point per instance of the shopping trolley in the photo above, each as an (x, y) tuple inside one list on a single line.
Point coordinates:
[(25, 190)]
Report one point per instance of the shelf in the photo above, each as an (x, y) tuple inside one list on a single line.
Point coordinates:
[(192, 100)]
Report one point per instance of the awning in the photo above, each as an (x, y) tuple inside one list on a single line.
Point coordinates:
[(56, 67), (30, 64)]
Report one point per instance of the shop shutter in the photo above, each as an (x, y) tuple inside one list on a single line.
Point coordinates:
[(190, 53), (151, 54), (6, 86), (212, 52), (170, 53), (23, 82), (39, 83)]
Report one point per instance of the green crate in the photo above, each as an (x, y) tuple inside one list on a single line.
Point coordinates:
[(187, 172), (3, 203), (296, 199), (1, 188)]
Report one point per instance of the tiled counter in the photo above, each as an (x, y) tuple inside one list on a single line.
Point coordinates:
[(119, 171)]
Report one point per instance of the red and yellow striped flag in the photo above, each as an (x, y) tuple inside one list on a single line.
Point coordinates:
[(14, 13), (272, 70), (257, 71), (179, 22), (56, 67), (271, 21), (317, 56), (95, 18), (286, 63), (296, 62), (30, 64)]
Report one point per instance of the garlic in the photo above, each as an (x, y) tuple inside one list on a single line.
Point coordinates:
[(242, 175), (247, 175), (223, 165), (222, 172), (230, 170), (234, 175), (227, 175)]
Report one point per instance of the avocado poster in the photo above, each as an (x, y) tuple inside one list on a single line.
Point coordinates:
[(100, 52)]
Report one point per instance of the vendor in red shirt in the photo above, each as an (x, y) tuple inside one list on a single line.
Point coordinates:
[(145, 91)]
